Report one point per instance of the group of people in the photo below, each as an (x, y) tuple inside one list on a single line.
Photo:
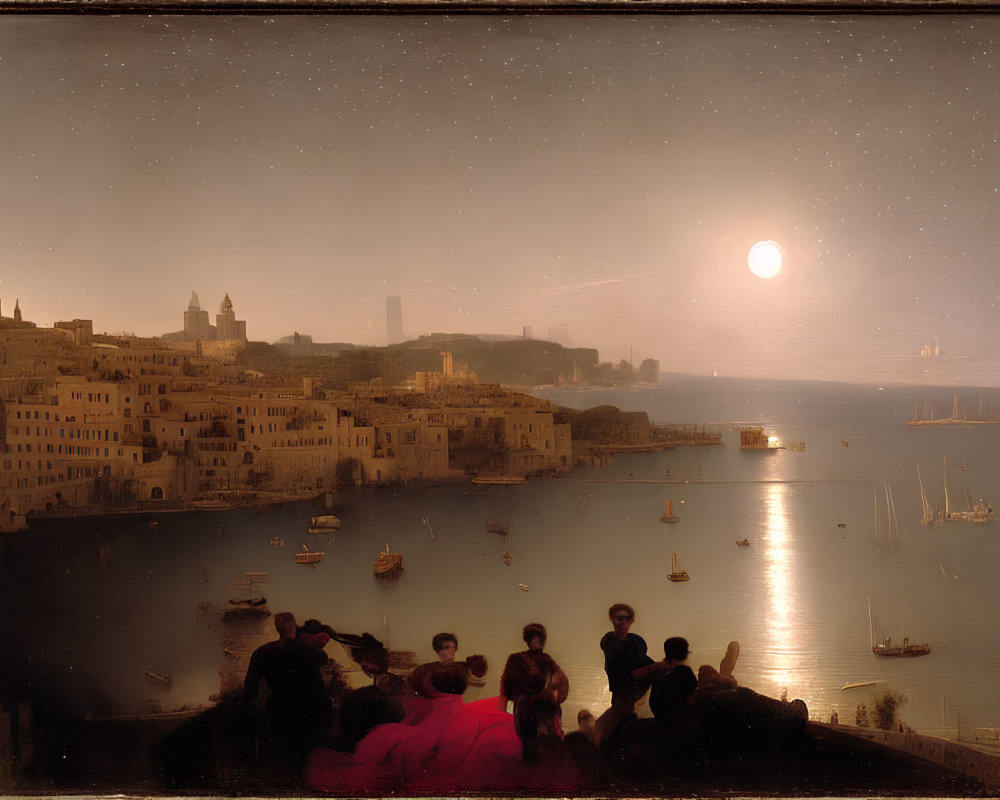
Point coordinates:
[(532, 685)]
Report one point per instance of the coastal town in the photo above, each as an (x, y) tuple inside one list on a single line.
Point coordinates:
[(97, 423)]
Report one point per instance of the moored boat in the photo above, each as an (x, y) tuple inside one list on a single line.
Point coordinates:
[(388, 564), (959, 418), (668, 514), (882, 645), (324, 523), (308, 556), (677, 574)]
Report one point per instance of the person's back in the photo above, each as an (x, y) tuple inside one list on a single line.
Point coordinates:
[(669, 692)]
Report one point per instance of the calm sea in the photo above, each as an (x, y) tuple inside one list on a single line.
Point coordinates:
[(796, 598)]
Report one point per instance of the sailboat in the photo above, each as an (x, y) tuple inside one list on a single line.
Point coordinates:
[(977, 512), (882, 645), (959, 417), (677, 574), (926, 512), (888, 542), (668, 514)]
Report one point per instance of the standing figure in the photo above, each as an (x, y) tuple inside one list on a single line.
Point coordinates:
[(623, 653), (537, 686), (298, 708)]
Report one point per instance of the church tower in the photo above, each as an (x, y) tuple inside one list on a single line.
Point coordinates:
[(196, 321), (17, 310), (226, 324)]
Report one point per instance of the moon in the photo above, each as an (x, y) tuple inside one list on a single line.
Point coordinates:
[(764, 259)]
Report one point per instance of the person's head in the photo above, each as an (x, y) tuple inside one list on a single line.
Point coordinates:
[(445, 645), (585, 720), (622, 615), (676, 648), (534, 635), (284, 624)]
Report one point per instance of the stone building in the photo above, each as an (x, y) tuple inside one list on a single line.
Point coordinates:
[(198, 328)]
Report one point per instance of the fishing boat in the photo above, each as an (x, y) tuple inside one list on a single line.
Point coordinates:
[(523, 587), (743, 542), (388, 564), (308, 556), (926, 512), (325, 523), (978, 511), (668, 514), (887, 537), (882, 645), (924, 418), (276, 542), (676, 574)]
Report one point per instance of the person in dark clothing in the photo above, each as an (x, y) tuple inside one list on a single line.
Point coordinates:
[(672, 681), (537, 686), (623, 653), (297, 708)]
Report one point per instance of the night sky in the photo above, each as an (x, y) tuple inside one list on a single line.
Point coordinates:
[(599, 178)]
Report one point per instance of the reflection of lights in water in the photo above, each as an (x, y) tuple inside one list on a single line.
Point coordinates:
[(777, 558)]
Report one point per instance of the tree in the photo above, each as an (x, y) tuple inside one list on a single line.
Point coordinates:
[(885, 709)]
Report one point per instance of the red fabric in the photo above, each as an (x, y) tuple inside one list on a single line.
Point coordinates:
[(441, 747)]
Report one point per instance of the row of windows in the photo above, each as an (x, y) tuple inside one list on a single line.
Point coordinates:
[(74, 433), (71, 472), (78, 450)]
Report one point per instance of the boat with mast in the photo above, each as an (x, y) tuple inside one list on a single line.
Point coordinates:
[(926, 512), (978, 511), (677, 574), (668, 514), (882, 645), (388, 564), (308, 556), (924, 418)]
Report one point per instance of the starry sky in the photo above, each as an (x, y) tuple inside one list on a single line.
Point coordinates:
[(599, 178)]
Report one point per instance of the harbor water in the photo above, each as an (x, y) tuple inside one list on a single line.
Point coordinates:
[(796, 597)]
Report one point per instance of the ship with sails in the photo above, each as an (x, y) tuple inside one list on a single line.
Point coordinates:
[(978, 511), (882, 645), (924, 418)]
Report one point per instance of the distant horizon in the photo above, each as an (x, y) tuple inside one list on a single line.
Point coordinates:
[(595, 178)]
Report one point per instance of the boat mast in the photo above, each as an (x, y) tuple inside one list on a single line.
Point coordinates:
[(946, 487), (892, 523), (871, 622)]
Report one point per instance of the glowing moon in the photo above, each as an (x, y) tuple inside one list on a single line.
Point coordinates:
[(764, 259)]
